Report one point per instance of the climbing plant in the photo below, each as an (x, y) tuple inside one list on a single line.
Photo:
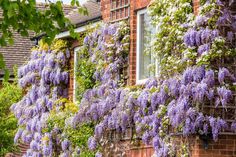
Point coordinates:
[(167, 105), (44, 78), (171, 19), (172, 103), (9, 93)]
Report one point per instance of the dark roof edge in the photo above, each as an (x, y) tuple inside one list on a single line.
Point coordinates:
[(95, 19)]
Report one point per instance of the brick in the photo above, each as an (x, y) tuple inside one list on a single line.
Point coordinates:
[(231, 153), (228, 141)]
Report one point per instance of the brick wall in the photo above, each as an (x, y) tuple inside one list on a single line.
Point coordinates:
[(105, 8), (196, 4), (71, 76), (224, 147)]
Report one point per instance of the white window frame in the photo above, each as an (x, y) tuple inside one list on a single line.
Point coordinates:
[(138, 51), (76, 49)]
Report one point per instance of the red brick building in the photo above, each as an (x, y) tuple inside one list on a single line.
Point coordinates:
[(135, 12)]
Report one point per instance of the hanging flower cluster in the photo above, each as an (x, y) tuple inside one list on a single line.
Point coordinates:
[(171, 18), (211, 35), (44, 78), (162, 107), (156, 111), (173, 103), (108, 48)]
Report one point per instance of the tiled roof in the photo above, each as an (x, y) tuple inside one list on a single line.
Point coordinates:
[(19, 52), (93, 9), (66, 8)]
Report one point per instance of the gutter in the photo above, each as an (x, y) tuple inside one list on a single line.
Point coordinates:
[(81, 27)]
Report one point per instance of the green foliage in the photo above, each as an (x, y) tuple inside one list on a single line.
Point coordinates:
[(62, 121), (3, 67), (84, 73), (169, 16), (79, 138), (23, 16), (9, 93)]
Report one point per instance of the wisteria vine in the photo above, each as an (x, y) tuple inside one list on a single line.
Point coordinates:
[(44, 78), (172, 103), (156, 111)]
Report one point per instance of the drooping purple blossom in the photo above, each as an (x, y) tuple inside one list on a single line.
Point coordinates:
[(209, 78), (203, 49), (225, 95), (223, 74), (18, 135), (189, 38), (233, 126), (187, 76), (65, 144), (98, 154), (146, 137), (92, 144), (217, 125), (201, 20)]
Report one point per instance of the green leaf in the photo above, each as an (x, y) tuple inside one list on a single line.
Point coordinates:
[(83, 10), (72, 2), (77, 3), (24, 33), (11, 41), (2, 63), (6, 75)]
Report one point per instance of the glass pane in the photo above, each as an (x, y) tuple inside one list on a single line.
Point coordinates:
[(145, 47)]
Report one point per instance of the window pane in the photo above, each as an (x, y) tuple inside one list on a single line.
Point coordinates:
[(145, 39)]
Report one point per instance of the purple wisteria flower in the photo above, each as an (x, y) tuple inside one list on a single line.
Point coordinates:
[(92, 144), (146, 137), (198, 73), (224, 18), (187, 76), (225, 95), (18, 135), (217, 126), (201, 20), (233, 126), (151, 83), (189, 38), (98, 154), (200, 92), (230, 36), (206, 35), (223, 73), (65, 144), (203, 49), (209, 78), (98, 131)]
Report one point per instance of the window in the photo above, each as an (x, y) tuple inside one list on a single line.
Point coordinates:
[(76, 57), (120, 10), (146, 64)]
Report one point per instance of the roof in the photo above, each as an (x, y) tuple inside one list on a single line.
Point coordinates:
[(94, 13), (19, 52), (66, 8)]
